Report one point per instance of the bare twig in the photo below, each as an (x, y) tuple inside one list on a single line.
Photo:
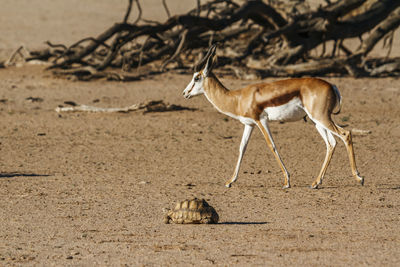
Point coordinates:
[(140, 12), (62, 46), (166, 8), (21, 51), (360, 132), (388, 42), (141, 52), (198, 8), (178, 49), (128, 11)]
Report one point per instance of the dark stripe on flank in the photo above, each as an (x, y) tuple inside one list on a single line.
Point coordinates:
[(280, 100)]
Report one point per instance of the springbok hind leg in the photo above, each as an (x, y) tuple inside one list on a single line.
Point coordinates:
[(345, 135), (348, 141)]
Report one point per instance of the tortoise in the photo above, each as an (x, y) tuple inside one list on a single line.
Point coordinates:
[(193, 211)]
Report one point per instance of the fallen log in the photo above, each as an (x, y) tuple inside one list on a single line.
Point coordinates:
[(149, 106)]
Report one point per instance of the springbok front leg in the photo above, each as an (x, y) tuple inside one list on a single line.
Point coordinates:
[(263, 125), (248, 129), (330, 148)]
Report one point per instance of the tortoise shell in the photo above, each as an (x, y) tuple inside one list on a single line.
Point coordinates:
[(192, 211)]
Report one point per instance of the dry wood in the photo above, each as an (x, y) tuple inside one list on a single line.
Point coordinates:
[(280, 36), (360, 132), (149, 106)]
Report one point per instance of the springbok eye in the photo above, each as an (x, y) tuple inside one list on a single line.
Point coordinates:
[(197, 78)]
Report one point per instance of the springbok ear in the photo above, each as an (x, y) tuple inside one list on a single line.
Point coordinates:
[(210, 60)]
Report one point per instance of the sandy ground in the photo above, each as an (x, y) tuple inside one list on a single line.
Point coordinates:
[(82, 189)]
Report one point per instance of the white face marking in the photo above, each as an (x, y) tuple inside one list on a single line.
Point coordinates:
[(195, 87), (291, 111)]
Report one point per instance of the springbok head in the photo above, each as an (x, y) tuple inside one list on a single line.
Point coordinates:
[(202, 71)]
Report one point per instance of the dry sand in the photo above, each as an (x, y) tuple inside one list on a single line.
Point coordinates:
[(83, 189)]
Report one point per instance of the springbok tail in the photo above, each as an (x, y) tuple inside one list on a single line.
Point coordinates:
[(338, 99)]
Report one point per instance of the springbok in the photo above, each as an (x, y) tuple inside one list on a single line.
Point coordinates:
[(284, 100)]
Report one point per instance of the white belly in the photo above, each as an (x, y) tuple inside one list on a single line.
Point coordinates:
[(291, 111)]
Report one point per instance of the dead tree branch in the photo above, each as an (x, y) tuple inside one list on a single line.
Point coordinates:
[(149, 106), (273, 39)]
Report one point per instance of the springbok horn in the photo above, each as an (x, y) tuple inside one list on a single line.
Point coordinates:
[(210, 53)]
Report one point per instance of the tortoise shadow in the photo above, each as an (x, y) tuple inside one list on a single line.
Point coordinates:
[(19, 174), (242, 223)]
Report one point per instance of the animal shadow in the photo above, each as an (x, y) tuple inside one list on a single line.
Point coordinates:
[(242, 223), (19, 174)]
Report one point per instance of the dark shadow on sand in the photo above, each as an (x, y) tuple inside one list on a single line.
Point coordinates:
[(242, 223), (19, 174), (387, 187)]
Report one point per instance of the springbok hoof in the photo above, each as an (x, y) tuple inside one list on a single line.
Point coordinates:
[(228, 185), (286, 186), (314, 186)]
